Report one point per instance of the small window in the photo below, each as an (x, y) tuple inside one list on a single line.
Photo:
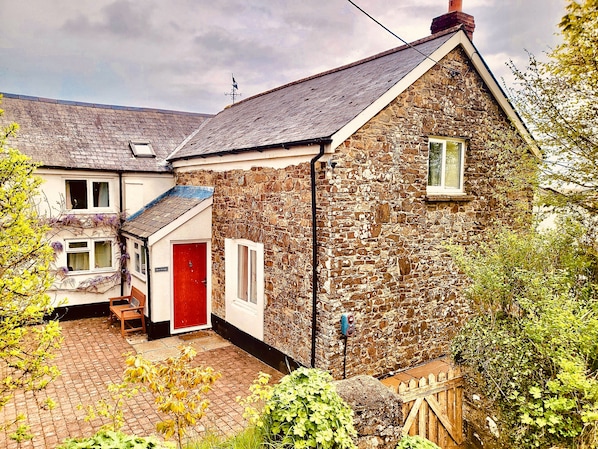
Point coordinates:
[(83, 194), (101, 194), (76, 194), (142, 149), (445, 165), (103, 254), (245, 299), (77, 256), (139, 266), (247, 273), (80, 254)]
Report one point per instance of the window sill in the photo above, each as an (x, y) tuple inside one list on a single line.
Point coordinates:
[(98, 271), (245, 306), (445, 198), (96, 210), (141, 277)]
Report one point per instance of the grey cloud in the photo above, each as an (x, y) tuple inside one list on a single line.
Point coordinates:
[(219, 46), (121, 18)]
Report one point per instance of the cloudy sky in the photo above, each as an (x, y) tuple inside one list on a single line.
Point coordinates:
[(180, 54)]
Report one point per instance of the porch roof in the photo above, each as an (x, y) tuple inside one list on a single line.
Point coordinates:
[(165, 209)]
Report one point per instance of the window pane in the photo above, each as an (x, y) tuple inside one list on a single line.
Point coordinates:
[(75, 245), (77, 261), (452, 173), (76, 194), (100, 194), (103, 254), (143, 260), (253, 297), (137, 263), (242, 281), (435, 164)]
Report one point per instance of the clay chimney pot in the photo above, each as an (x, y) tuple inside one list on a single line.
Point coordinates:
[(455, 5)]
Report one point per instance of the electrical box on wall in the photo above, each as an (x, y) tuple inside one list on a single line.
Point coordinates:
[(347, 324)]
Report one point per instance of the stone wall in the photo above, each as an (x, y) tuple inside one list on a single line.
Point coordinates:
[(272, 207), (377, 411), (383, 255), (381, 239)]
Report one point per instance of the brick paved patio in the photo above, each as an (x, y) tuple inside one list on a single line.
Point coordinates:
[(92, 356)]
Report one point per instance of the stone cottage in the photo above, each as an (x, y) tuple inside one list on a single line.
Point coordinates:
[(328, 197), (335, 195)]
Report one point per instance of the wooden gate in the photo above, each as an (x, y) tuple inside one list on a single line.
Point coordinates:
[(433, 408)]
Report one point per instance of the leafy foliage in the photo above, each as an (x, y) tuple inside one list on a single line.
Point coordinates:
[(559, 101), (178, 388), (532, 345), (109, 439), (259, 393), (26, 342), (304, 410), (415, 442), (112, 407)]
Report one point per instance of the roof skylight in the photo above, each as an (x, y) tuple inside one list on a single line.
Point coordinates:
[(142, 148)]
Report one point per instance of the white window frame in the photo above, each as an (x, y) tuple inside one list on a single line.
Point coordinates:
[(442, 189), (89, 186), (247, 315), (90, 248), (139, 256)]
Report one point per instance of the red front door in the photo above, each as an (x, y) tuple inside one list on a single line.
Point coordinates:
[(190, 285)]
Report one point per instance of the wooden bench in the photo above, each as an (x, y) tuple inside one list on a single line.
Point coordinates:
[(130, 308)]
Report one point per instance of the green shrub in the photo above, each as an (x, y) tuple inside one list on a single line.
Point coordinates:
[(305, 411), (415, 442), (532, 344), (108, 439)]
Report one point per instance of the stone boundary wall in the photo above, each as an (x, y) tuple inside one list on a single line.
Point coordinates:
[(377, 414)]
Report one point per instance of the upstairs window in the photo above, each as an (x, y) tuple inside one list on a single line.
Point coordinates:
[(87, 194), (445, 166)]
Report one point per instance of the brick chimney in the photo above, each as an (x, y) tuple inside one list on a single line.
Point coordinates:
[(455, 16)]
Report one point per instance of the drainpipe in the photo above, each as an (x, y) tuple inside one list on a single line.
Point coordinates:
[(121, 240), (314, 262)]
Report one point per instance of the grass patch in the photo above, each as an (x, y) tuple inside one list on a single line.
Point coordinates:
[(249, 438)]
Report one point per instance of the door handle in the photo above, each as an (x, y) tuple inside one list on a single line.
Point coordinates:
[(205, 282)]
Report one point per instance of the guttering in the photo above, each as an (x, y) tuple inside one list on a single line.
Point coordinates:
[(314, 260), (259, 149), (166, 170)]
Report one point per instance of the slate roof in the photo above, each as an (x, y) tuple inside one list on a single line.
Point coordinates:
[(310, 109), (165, 209), (73, 135)]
